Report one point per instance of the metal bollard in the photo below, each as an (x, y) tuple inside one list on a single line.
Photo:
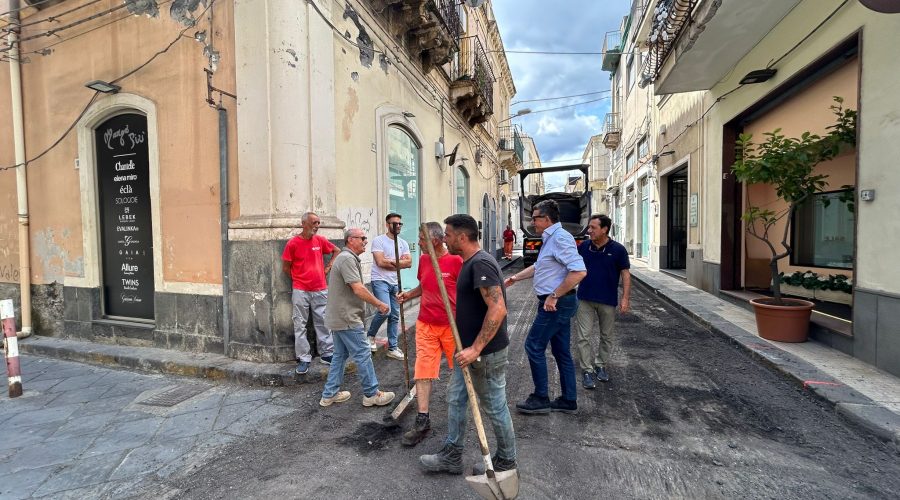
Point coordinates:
[(8, 317)]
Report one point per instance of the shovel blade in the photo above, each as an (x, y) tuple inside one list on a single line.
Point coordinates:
[(504, 485)]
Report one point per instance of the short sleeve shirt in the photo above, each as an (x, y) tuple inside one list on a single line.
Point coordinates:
[(431, 308), (345, 310), (604, 266), (558, 257), (307, 262), (481, 270), (385, 245)]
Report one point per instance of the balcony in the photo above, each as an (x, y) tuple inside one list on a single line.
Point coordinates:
[(512, 148), (695, 43), (612, 50), (612, 131), (472, 82), (430, 28)]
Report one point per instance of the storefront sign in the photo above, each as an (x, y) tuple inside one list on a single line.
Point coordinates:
[(125, 219)]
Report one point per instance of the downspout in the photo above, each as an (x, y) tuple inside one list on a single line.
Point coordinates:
[(15, 78), (223, 211)]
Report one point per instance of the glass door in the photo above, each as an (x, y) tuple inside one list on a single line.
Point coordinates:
[(403, 190)]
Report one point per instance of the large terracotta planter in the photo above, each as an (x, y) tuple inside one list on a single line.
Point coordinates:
[(786, 323)]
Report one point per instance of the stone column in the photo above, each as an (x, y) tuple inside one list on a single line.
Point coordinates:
[(284, 55)]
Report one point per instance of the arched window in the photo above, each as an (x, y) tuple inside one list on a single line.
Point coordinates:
[(462, 191), (404, 191)]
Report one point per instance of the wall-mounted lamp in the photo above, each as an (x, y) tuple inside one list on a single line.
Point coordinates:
[(758, 76), (408, 114), (101, 86)]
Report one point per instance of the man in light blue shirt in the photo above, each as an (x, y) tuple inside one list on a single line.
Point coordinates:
[(556, 272)]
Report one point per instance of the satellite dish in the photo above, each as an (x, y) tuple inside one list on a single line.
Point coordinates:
[(474, 3), (452, 154), (883, 6)]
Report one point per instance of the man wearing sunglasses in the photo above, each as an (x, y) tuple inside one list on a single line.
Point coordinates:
[(558, 269), (346, 318), (384, 282)]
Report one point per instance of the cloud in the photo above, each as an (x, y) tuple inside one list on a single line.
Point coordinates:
[(569, 26)]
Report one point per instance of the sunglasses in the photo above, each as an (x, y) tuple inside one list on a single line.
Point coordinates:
[(364, 238), (539, 217), (396, 223)]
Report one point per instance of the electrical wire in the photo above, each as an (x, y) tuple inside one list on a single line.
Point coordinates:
[(52, 18), (835, 11), (32, 4), (560, 97), (548, 52), (94, 96)]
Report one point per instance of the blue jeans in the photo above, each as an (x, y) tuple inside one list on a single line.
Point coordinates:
[(351, 344), (552, 328), (489, 379), (386, 293)]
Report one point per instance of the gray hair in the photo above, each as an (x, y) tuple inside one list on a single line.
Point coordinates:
[(435, 231), (349, 232), (305, 217)]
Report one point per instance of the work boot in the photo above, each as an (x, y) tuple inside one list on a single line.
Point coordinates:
[(500, 465), (564, 405), (534, 405), (380, 398), (419, 432), (449, 459)]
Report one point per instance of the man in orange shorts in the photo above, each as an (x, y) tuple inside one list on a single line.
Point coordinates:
[(433, 334)]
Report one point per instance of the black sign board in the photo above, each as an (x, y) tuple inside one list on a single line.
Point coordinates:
[(126, 231)]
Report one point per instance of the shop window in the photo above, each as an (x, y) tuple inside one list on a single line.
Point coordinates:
[(822, 232)]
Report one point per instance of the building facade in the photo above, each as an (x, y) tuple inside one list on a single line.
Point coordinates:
[(349, 109)]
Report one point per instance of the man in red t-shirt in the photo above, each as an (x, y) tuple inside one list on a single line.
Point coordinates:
[(509, 237), (303, 261), (433, 333)]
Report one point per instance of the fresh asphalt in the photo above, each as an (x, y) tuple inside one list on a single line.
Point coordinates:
[(685, 415)]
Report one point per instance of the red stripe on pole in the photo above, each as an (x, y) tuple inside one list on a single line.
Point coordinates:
[(12, 357)]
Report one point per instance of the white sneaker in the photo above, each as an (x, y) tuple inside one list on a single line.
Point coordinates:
[(380, 398), (340, 397), (395, 353), (372, 345)]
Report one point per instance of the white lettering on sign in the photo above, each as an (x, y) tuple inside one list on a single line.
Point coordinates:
[(131, 283), (126, 189), (124, 166), (124, 137), (125, 178)]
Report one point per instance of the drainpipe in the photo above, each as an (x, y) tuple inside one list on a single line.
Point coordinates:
[(223, 212), (15, 78)]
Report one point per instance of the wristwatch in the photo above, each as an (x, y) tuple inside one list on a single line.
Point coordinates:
[(553, 295)]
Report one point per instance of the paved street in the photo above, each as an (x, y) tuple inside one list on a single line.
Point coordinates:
[(686, 415)]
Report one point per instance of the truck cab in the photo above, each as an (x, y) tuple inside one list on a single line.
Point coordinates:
[(574, 208)]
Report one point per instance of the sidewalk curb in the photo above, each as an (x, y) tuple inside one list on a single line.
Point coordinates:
[(857, 408), (216, 367)]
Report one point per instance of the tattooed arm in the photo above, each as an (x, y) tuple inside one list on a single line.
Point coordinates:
[(493, 297)]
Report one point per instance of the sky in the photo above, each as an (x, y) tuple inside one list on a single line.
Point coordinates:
[(563, 26)]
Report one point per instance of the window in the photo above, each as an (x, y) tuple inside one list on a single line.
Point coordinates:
[(629, 161), (629, 74), (642, 147), (822, 231), (462, 191)]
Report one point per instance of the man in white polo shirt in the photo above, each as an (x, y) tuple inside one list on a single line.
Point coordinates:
[(384, 281)]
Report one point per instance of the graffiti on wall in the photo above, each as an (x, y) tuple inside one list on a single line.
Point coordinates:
[(366, 219)]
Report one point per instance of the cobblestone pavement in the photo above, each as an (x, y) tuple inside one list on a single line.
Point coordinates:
[(84, 432)]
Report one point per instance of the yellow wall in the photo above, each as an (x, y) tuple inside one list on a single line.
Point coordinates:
[(54, 95)]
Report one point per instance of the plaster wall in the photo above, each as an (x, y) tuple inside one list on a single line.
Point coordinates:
[(54, 95)]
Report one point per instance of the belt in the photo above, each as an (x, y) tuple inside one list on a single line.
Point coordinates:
[(570, 292)]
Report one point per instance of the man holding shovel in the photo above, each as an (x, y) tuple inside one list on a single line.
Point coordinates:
[(433, 334), (481, 321)]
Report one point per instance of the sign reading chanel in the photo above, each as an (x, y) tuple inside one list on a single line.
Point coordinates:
[(125, 220)]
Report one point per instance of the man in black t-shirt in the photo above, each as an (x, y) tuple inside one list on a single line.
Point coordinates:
[(481, 320)]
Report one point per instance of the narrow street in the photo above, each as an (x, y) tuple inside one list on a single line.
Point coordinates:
[(686, 415)]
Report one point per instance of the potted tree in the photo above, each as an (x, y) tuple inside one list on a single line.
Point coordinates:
[(788, 165)]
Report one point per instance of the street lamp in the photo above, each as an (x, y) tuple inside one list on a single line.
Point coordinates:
[(523, 111)]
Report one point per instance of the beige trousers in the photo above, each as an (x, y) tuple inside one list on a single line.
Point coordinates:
[(593, 317)]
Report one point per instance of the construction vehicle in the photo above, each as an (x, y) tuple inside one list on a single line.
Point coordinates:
[(574, 207)]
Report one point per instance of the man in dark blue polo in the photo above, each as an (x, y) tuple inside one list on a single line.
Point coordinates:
[(556, 272), (606, 260)]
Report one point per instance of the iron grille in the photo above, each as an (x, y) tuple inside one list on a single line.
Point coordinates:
[(474, 65)]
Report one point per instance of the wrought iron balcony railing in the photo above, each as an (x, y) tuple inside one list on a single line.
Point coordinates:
[(511, 141), (448, 15), (612, 131), (612, 50), (473, 65)]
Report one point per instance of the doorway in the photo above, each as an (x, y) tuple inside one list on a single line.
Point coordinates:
[(677, 220)]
